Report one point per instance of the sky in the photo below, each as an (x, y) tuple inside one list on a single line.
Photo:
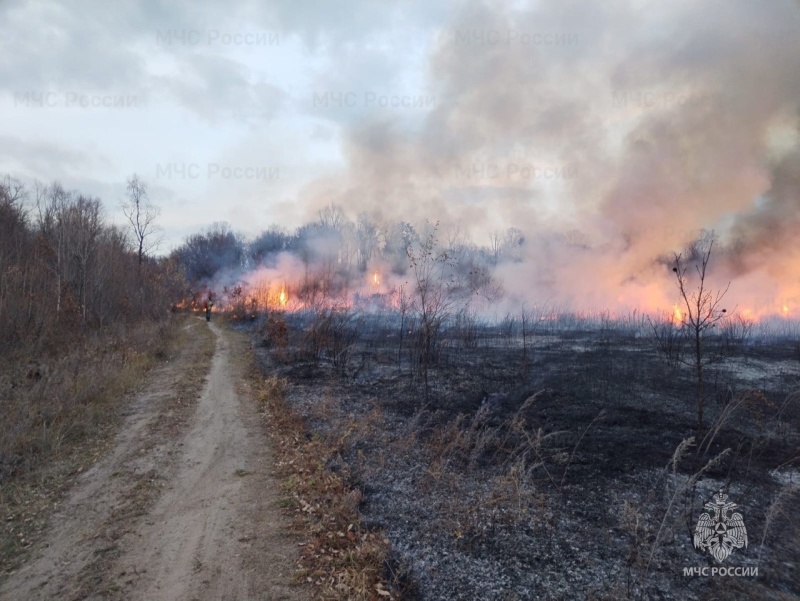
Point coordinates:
[(623, 127), (227, 111)]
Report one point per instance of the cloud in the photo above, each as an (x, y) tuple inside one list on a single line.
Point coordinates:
[(217, 87), (29, 158)]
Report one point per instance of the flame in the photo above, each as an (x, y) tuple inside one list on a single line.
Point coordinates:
[(268, 290)]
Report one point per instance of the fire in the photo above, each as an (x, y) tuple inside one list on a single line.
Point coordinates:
[(275, 290)]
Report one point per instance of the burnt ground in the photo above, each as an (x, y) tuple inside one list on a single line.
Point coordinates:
[(553, 471)]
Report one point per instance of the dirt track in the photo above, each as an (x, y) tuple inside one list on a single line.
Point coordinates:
[(184, 507)]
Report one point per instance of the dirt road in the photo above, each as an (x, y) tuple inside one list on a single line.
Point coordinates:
[(184, 507)]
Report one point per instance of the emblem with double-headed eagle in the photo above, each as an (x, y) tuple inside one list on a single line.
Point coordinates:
[(720, 534)]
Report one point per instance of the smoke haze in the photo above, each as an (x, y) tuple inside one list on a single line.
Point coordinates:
[(612, 134)]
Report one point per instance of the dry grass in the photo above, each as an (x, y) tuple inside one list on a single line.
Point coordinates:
[(494, 474), (338, 557), (645, 539), (60, 413)]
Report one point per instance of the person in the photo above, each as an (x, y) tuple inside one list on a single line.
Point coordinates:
[(207, 308)]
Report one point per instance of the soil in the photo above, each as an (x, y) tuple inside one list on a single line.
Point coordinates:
[(185, 506)]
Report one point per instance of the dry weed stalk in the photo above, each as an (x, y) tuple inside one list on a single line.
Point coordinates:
[(778, 505), (690, 484)]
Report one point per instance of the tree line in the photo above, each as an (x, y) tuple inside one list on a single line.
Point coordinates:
[(336, 248), (65, 270)]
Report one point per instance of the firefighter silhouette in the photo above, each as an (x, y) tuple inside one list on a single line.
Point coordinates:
[(207, 306)]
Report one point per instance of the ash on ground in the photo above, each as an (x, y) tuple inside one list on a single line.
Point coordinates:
[(565, 465)]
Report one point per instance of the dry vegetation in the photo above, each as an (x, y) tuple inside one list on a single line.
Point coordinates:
[(338, 556)]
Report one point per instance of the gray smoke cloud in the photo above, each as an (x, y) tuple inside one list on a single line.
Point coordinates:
[(612, 134)]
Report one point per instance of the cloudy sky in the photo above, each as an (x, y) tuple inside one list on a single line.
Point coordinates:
[(226, 110), (623, 126)]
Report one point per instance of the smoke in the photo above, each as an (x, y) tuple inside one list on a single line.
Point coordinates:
[(628, 126), (610, 135)]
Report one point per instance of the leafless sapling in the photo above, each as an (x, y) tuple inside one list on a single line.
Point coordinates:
[(434, 301), (703, 312)]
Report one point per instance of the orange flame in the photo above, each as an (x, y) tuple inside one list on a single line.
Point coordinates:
[(376, 279), (283, 297), (677, 315)]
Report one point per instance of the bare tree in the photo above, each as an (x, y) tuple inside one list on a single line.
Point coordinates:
[(51, 203), (702, 313), (396, 238), (110, 286), (69, 226), (433, 300), (84, 226), (495, 245), (141, 214), (368, 240), (333, 217), (16, 285), (506, 245)]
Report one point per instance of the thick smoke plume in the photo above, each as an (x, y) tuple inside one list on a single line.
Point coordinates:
[(611, 134)]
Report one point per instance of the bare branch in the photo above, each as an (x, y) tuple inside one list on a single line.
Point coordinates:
[(141, 214)]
